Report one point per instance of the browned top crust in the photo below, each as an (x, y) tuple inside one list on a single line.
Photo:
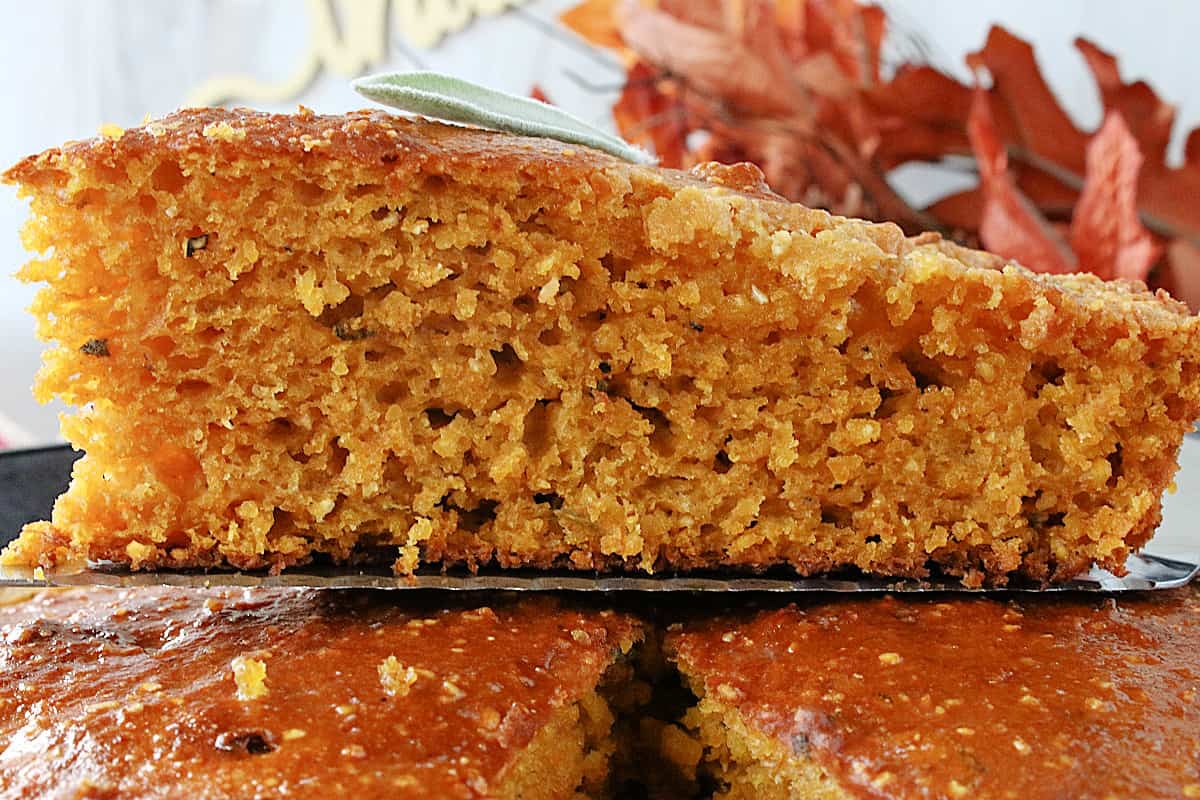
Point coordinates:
[(111, 693), (366, 136), (420, 145), (1037, 698)]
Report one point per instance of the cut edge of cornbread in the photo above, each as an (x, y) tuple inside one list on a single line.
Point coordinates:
[(746, 764), (573, 755), (366, 337)]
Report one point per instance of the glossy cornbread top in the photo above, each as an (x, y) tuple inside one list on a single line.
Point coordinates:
[(1038, 698), (283, 693)]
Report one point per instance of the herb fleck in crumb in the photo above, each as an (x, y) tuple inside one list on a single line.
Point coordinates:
[(95, 347), (194, 244), (343, 331), (697, 327)]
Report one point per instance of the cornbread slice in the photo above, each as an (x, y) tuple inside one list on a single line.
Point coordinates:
[(172, 693), (366, 336), (886, 698)]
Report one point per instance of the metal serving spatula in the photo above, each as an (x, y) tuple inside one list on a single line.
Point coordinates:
[(31, 479)]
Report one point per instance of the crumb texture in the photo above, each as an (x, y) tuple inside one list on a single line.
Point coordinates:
[(250, 675), (890, 698), (124, 694), (368, 337)]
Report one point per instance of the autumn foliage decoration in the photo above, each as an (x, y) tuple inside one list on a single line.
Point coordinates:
[(799, 87)]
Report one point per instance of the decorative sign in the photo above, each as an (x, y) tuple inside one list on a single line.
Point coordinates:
[(349, 36)]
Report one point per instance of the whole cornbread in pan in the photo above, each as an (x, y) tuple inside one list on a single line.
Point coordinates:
[(288, 693), (367, 337), (1065, 696)]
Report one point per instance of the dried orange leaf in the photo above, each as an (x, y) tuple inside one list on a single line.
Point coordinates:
[(821, 72), (851, 32), (714, 14), (1025, 110), (1169, 196), (1183, 272), (960, 210), (594, 21), (1149, 118), (1191, 147), (1011, 226), (647, 116), (709, 61), (1106, 233), (921, 115)]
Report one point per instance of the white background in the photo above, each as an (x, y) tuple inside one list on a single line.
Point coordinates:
[(72, 65)]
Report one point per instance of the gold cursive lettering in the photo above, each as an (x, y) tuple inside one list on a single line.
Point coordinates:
[(348, 49)]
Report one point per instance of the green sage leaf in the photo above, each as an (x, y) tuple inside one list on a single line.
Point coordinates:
[(455, 100)]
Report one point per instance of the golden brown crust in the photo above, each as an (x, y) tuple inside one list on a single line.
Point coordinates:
[(1032, 698), (368, 137), (129, 692)]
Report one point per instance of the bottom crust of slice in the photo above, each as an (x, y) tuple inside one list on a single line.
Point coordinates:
[(43, 545)]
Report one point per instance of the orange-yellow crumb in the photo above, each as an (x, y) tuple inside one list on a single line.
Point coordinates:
[(396, 678), (250, 675), (432, 344)]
